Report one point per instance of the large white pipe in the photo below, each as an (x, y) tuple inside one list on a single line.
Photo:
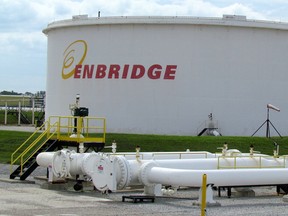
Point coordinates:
[(66, 163), (75, 161), (175, 167), (239, 177), (45, 159), (111, 172), (149, 173), (225, 162)]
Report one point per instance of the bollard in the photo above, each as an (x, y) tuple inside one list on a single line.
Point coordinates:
[(203, 202)]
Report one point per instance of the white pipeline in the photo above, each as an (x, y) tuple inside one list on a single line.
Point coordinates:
[(166, 155), (45, 159), (241, 177), (116, 172), (66, 163), (182, 154)]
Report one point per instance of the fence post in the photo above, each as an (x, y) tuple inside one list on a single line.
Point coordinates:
[(19, 113), (33, 110), (5, 118)]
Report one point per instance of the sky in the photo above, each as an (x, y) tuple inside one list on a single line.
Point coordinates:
[(23, 46)]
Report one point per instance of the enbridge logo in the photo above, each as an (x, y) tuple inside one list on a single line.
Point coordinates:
[(73, 67), (74, 55)]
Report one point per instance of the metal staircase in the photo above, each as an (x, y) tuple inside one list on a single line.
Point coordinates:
[(203, 131), (27, 168), (26, 154), (57, 132)]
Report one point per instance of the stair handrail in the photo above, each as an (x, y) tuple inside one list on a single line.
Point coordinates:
[(30, 137), (36, 141), (205, 124), (13, 161), (202, 126)]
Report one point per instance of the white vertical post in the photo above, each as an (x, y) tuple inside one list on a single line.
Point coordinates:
[(19, 113), (33, 110), (5, 118)]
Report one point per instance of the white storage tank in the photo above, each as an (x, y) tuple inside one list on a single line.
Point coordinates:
[(170, 75)]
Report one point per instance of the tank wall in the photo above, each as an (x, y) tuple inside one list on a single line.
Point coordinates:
[(231, 72)]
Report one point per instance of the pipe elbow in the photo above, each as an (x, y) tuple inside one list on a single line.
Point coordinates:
[(145, 172)]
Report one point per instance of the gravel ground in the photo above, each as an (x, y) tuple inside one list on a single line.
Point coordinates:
[(29, 198)]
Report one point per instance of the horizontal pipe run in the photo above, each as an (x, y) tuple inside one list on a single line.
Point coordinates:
[(240, 177)]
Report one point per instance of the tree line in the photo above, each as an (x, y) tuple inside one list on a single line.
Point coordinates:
[(37, 94)]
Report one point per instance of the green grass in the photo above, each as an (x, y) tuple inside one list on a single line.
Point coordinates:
[(11, 140), (10, 119), (128, 142)]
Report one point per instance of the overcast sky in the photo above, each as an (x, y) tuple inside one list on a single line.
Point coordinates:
[(23, 46)]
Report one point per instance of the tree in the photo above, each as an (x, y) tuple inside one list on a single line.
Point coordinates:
[(9, 93)]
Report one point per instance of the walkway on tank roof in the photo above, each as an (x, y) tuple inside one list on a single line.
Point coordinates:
[(226, 20)]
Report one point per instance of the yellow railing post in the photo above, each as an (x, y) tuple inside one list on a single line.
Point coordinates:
[(58, 128), (66, 128), (21, 165), (203, 201), (47, 126), (17, 154)]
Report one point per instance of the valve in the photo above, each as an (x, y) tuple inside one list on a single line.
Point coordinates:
[(114, 146), (224, 149), (137, 153), (251, 150), (276, 149)]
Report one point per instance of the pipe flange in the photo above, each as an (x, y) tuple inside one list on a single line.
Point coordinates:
[(61, 163), (88, 165), (125, 176), (144, 172)]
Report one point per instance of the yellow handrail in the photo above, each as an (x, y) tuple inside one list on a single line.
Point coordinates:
[(13, 161), (61, 128), (87, 129), (33, 144)]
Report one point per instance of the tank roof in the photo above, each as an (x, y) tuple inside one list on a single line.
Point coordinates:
[(226, 20)]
